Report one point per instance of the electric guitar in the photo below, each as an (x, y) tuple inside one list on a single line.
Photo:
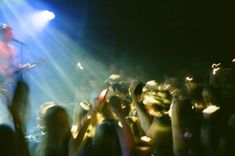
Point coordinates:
[(15, 70), (28, 66), (7, 76)]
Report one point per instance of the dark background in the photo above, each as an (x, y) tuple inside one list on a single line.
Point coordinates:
[(159, 36)]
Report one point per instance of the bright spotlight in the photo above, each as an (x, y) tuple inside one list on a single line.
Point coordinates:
[(41, 18), (48, 15)]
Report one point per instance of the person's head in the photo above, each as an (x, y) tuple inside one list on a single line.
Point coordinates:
[(222, 82), (81, 111), (7, 141), (157, 103), (191, 83), (41, 114), (119, 105), (172, 84), (6, 33), (57, 121), (194, 88), (57, 132)]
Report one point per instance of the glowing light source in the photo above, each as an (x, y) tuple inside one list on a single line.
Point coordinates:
[(41, 18), (48, 14)]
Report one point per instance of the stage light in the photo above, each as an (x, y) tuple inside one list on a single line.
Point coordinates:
[(41, 18), (48, 15)]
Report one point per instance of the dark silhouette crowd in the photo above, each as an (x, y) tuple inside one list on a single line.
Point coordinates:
[(179, 116)]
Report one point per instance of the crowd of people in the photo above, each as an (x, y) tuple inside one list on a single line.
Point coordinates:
[(179, 116)]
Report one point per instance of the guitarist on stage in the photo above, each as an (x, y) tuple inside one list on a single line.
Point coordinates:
[(8, 61), (8, 55)]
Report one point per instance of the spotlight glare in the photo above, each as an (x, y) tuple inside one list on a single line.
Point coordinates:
[(41, 18), (48, 15)]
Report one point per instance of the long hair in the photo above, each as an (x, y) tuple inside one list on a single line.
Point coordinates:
[(57, 128)]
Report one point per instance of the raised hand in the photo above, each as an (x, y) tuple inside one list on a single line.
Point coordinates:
[(101, 100)]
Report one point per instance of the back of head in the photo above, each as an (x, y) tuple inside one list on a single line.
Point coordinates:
[(41, 114), (57, 120), (105, 141), (7, 141), (222, 82), (57, 128), (115, 102), (80, 111)]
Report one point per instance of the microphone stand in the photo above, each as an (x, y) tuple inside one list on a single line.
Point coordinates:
[(21, 56), (21, 61)]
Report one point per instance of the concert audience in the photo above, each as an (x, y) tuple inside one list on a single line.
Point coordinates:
[(176, 117)]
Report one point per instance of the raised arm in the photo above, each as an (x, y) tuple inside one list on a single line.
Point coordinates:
[(144, 117), (75, 143), (125, 135), (17, 109)]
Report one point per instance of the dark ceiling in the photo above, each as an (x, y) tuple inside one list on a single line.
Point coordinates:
[(158, 33)]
